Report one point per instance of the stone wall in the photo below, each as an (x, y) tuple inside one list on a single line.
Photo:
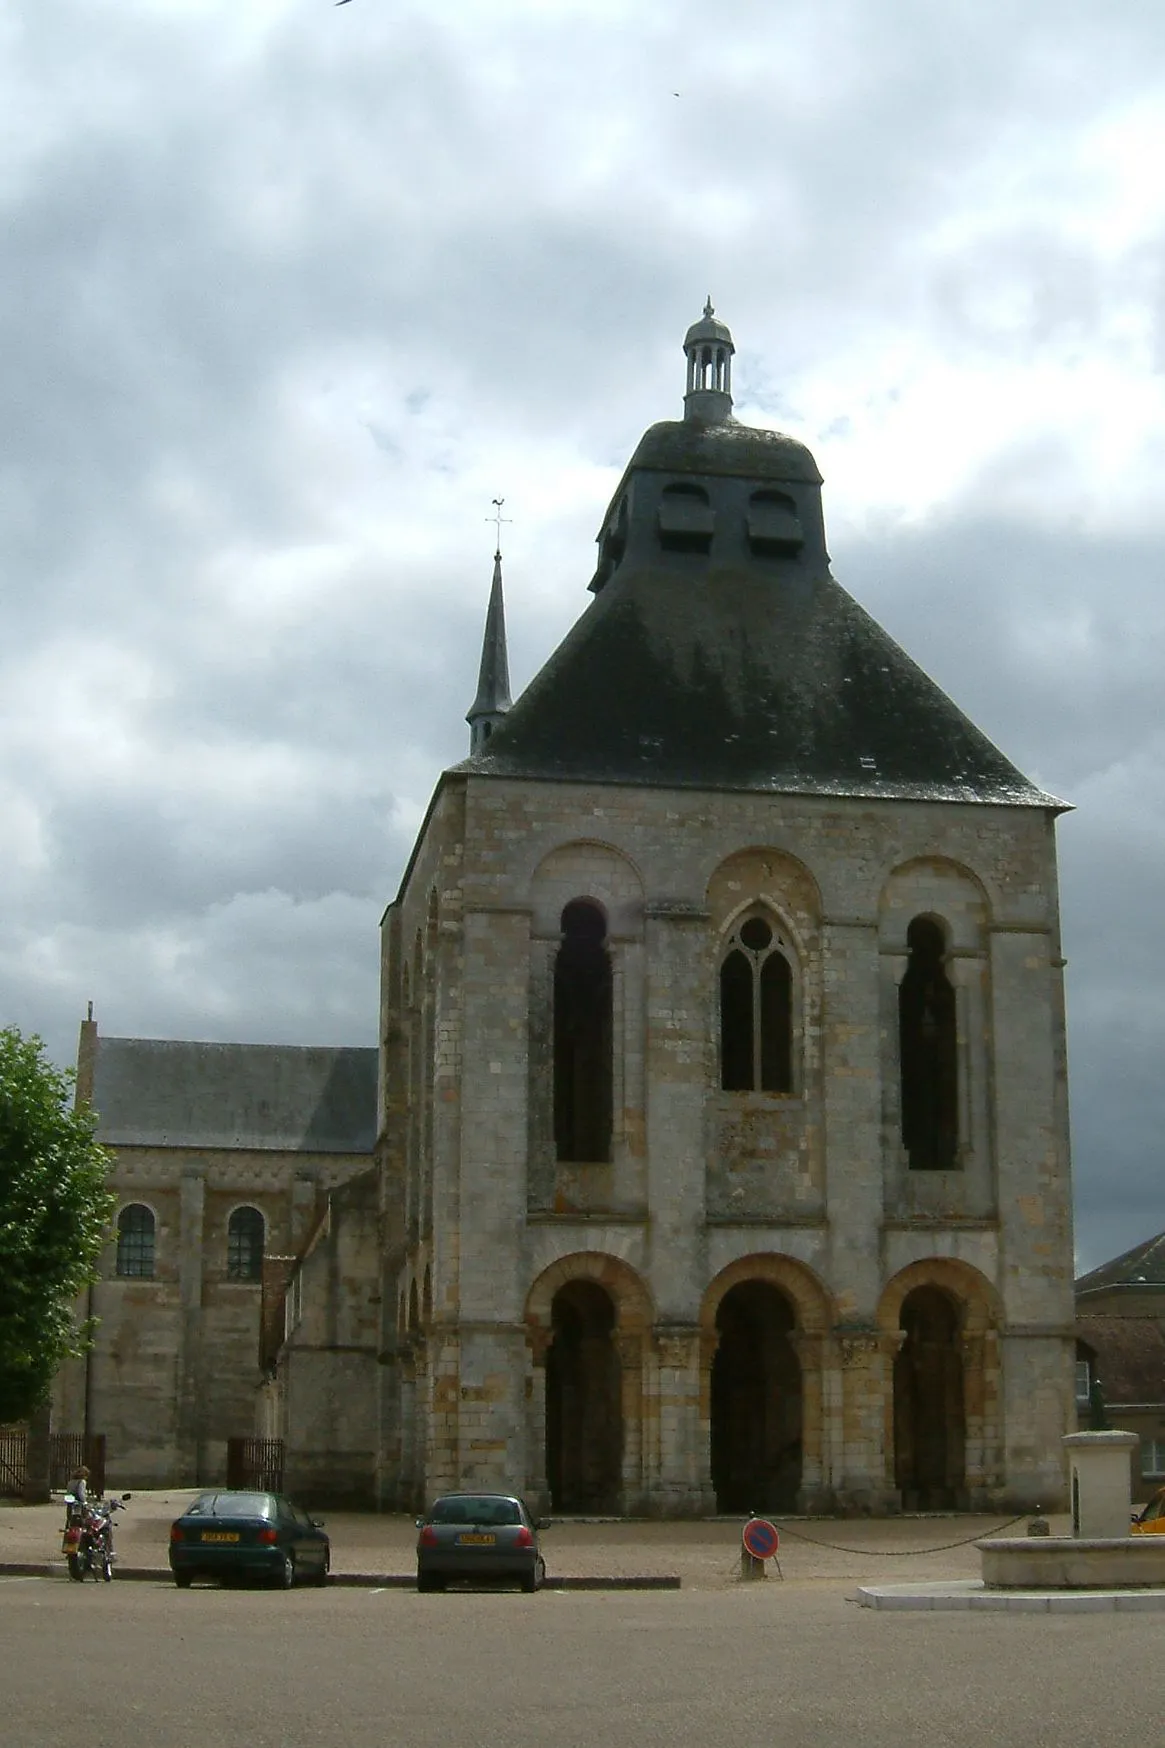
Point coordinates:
[(701, 1183)]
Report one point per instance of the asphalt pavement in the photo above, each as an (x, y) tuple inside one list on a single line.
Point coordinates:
[(797, 1665)]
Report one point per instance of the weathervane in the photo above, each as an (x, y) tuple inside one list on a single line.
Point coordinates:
[(497, 519)]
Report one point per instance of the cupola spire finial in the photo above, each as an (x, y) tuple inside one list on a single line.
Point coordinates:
[(709, 349)]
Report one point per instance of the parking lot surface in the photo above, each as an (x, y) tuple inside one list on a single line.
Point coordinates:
[(148, 1666)]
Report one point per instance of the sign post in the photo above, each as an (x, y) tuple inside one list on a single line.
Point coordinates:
[(759, 1542)]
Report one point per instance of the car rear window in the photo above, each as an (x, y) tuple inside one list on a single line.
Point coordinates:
[(469, 1508), (231, 1505)]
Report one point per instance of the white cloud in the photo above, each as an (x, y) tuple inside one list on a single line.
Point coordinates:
[(294, 292)]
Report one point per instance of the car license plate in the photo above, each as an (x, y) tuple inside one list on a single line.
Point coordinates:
[(220, 1535), (476, 1541)]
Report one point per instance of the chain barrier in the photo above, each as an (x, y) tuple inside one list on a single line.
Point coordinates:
[(904, 1553)]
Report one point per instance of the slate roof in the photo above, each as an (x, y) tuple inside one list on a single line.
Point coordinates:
[(729, 678), (1129, 1357), (151, 1092), (739, 451), (1143, 1266)]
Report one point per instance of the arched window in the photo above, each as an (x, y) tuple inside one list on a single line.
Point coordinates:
[(135, 1242), (245, 1235), (582, 1036), (756, 1010), (928, 1052)]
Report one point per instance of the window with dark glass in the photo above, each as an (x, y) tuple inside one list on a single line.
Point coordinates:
[(135, 1242), (928, 1052), (582, 1036), (756, 1011), (245, 1235)]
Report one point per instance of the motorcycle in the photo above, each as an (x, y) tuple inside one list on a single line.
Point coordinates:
[(87, 1542)]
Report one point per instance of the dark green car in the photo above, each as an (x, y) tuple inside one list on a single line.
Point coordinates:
[(231, 1534)]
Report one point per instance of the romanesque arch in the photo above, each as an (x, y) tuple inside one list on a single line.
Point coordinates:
[(942, 1317), (589, 1316), (762, 1321)]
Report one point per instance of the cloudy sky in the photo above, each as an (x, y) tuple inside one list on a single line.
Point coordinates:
[(288, 298)]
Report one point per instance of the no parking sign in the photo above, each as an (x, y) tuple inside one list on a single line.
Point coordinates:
[(760, 1538)]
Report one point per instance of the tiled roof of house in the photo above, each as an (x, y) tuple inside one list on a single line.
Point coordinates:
[(1129, 1357)]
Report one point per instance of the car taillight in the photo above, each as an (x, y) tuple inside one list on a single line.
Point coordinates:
[(524, 1539), (428, 1537), (176, 1534), (268, 1536)]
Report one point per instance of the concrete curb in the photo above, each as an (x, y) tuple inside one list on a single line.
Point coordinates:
[(970, 1594), (340, 1580)]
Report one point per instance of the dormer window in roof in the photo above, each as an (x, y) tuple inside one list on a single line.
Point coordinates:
[(685, 518), (774, 528)]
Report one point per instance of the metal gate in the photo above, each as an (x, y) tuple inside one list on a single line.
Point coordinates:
[(13, 1449), (67, 1451), (255, 1462)]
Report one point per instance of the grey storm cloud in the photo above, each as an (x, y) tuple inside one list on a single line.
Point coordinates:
[(288, 299)]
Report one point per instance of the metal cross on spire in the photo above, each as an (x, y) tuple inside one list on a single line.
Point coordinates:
[(497, 519)]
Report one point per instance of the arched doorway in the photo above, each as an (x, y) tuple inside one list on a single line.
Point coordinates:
[(756, 1402), (584, 1417), (929, 1407)]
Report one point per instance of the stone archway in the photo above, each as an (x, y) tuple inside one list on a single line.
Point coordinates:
[(756, 1402), (943, 1431), (584, 1413), (763, 1323), (588, 1321), (930, 1422)]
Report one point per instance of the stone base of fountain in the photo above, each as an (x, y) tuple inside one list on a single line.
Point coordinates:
[(1073, 1563)]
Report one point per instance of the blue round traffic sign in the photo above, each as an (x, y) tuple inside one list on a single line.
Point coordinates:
[(760, 1538)]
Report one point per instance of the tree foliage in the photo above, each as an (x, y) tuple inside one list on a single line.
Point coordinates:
[(54, 1220)]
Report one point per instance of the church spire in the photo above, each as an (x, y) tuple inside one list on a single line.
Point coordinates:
[(709, 347), (493, 680)]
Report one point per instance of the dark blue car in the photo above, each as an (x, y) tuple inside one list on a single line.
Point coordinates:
[(229, 1534)]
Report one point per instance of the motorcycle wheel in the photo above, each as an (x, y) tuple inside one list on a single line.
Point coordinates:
[(107, 1570), (287, 1572), (76, 1570)]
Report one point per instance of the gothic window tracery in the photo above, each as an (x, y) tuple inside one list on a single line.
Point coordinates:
[(756, 1009)]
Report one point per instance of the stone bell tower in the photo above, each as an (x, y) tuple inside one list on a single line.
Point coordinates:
[(723, 1079)]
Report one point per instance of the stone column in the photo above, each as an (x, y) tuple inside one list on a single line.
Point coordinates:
[(864, 1479), (682, 1489), (630, 1349), (814, 1492), (190, 1430), (537, 1486)]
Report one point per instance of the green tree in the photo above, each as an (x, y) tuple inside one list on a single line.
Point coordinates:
[(54, 1220)]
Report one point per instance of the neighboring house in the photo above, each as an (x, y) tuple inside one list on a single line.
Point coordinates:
[(724, 1150), (224, 1157), (1120, 1328)]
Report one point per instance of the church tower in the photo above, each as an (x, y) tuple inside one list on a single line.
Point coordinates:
[(723, 1087)]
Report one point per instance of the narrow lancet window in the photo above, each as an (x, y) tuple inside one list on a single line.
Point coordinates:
[(928, 1052), (756, 1011), (246, 1233), (135, 1242), (582, 1037)]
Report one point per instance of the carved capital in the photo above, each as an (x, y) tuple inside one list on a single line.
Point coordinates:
[(538, 1341), (677, 1344), (858, 1348)]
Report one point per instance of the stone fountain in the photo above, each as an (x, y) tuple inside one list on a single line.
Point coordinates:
[(1100, 1554)]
